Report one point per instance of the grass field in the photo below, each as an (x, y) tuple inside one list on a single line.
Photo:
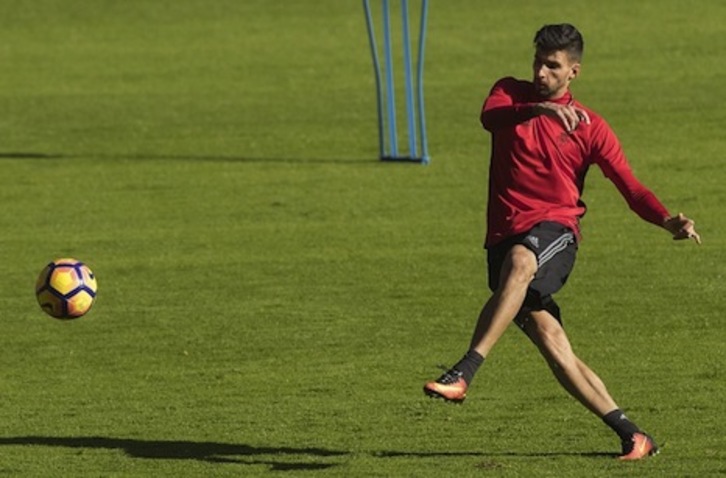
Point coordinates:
[(272, 297)]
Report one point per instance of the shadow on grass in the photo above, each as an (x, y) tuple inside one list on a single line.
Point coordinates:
[(190, 157), (277, 458), (485, 454)]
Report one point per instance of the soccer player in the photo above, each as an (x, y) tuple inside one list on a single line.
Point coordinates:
[(543, 143)]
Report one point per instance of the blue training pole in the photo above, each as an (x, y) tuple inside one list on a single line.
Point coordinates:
[(419, 81), (385, 94), (377, 71), (390, 97), (410, 109)]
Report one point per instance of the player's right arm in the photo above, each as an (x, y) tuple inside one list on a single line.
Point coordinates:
[(509, 104), (506, 105), (569, 115)]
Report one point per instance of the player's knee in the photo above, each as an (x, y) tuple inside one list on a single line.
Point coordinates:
[(522, 264), (557, 347)]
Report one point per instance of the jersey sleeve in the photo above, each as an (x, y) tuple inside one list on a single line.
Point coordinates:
[(506, 105), (607, 153)]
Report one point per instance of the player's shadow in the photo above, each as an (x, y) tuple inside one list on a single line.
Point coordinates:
[(485, 454), (277, 458)]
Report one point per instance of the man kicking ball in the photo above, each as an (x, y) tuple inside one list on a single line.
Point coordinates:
[(543, 143)]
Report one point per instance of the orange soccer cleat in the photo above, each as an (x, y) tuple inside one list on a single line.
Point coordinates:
[(640, 446), (451, 386)]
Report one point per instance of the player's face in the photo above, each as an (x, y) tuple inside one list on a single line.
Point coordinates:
[(553, 72)]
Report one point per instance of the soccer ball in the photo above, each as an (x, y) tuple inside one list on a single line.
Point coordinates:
[(66, 288)]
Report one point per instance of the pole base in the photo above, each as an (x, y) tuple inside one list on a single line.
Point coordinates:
[(405, 159)]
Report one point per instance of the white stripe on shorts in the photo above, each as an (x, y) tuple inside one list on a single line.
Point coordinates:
[(557, 246)]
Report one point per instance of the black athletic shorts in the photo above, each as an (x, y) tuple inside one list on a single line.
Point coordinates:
[(555, 247)]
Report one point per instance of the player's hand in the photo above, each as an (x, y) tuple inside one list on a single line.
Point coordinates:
[(570, 115), (682, 228)]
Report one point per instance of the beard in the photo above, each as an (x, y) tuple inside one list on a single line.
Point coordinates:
[(545, 90)]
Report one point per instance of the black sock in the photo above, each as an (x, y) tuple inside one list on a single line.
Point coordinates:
[(621, 424), (469, 364)]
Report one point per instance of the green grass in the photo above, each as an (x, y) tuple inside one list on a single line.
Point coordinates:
[(272, 297)]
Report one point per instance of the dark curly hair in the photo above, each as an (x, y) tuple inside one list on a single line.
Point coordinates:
[(564, 37)]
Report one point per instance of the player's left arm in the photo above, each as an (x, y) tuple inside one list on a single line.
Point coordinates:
[(647, 205), (682, 228), (609, 156)]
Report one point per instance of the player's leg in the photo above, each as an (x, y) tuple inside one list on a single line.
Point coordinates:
[(573, 374), (582, 383), (517, 270), (514, 265)]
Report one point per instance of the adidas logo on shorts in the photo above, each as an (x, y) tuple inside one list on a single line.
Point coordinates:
[(534, 240)]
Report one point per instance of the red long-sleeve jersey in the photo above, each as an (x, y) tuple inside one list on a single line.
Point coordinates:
[(537, 168)]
